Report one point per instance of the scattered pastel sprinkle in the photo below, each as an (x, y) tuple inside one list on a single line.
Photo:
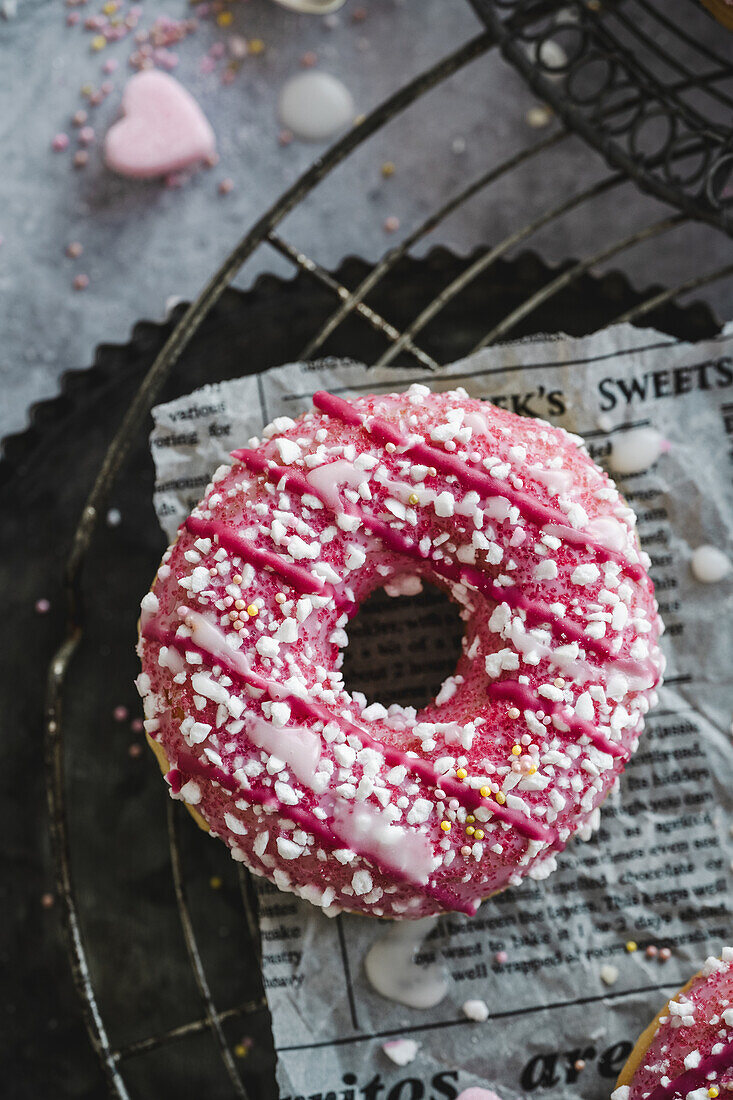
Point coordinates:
[(120, 713), (135, 750), (537, 117), (242, 1049), (43, 606), (47, 901), (609, 974), (215, 882), (81, 282), (81, 158), (114, 517), (391, 224), (309, 59), (476, 1010), (631, 946), (501, 957), (226, 186), (136, 725), (458, 146), (401, 1051), (60, 142), (79, 118), (579, 1065), (664, 954), (256, 46), (86, 135), (652, 951), (238, 47)]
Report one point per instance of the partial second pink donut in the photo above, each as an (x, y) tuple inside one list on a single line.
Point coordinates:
[(689, 1056), (380, 810)]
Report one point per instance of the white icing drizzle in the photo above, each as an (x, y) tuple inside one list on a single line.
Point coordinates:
[(392, 970)]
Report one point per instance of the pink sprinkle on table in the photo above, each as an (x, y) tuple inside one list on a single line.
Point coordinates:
[(60, 142), (43, 606), (120, 713), (80, 158), (86, 135), (81, 282), (501, 957), (225, 186), (391, 224), (74, 250)]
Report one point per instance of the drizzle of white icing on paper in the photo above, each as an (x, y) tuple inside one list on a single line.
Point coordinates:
[(637, 450), (391, 968), (709, 565)]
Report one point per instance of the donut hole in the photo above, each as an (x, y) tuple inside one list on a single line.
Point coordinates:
[(402, 648)]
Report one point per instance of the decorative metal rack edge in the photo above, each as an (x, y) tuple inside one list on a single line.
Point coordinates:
[(690, 132), (348, 301)]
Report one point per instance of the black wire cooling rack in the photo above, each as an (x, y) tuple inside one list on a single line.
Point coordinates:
[(641, 81), (462, 296)]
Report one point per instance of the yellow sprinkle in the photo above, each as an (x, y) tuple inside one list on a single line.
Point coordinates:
[(109, 8), (86, 89), (215, 882), (98, 42), (485, 792), (470, 830), (713, 1092), (387, 169), (631, 946), (517, 750), (414, 498), (240, 1050), (225, 19), (445, 826), (479, 834), (500, 797), (461, 773), (532, 769), (256, 45), (470, 819), (253, 610)]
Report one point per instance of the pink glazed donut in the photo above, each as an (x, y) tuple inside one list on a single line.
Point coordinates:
[(686, 1053), (388, 811)]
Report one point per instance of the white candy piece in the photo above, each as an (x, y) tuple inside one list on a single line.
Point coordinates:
[(709, 565), (315, 106)]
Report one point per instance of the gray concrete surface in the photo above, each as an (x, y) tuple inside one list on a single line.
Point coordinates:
[(144, 243)]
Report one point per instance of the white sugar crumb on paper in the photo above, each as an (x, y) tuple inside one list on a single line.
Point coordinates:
[(476, 1010), (609, 974), (660, 838), (401, 1051)]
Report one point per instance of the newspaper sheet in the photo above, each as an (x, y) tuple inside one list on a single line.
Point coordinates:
[(657, 872)]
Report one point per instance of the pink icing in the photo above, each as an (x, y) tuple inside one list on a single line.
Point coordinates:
[(700, 1031), (363, 809)]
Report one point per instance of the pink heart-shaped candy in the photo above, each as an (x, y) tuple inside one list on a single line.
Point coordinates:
[(162, 129)]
